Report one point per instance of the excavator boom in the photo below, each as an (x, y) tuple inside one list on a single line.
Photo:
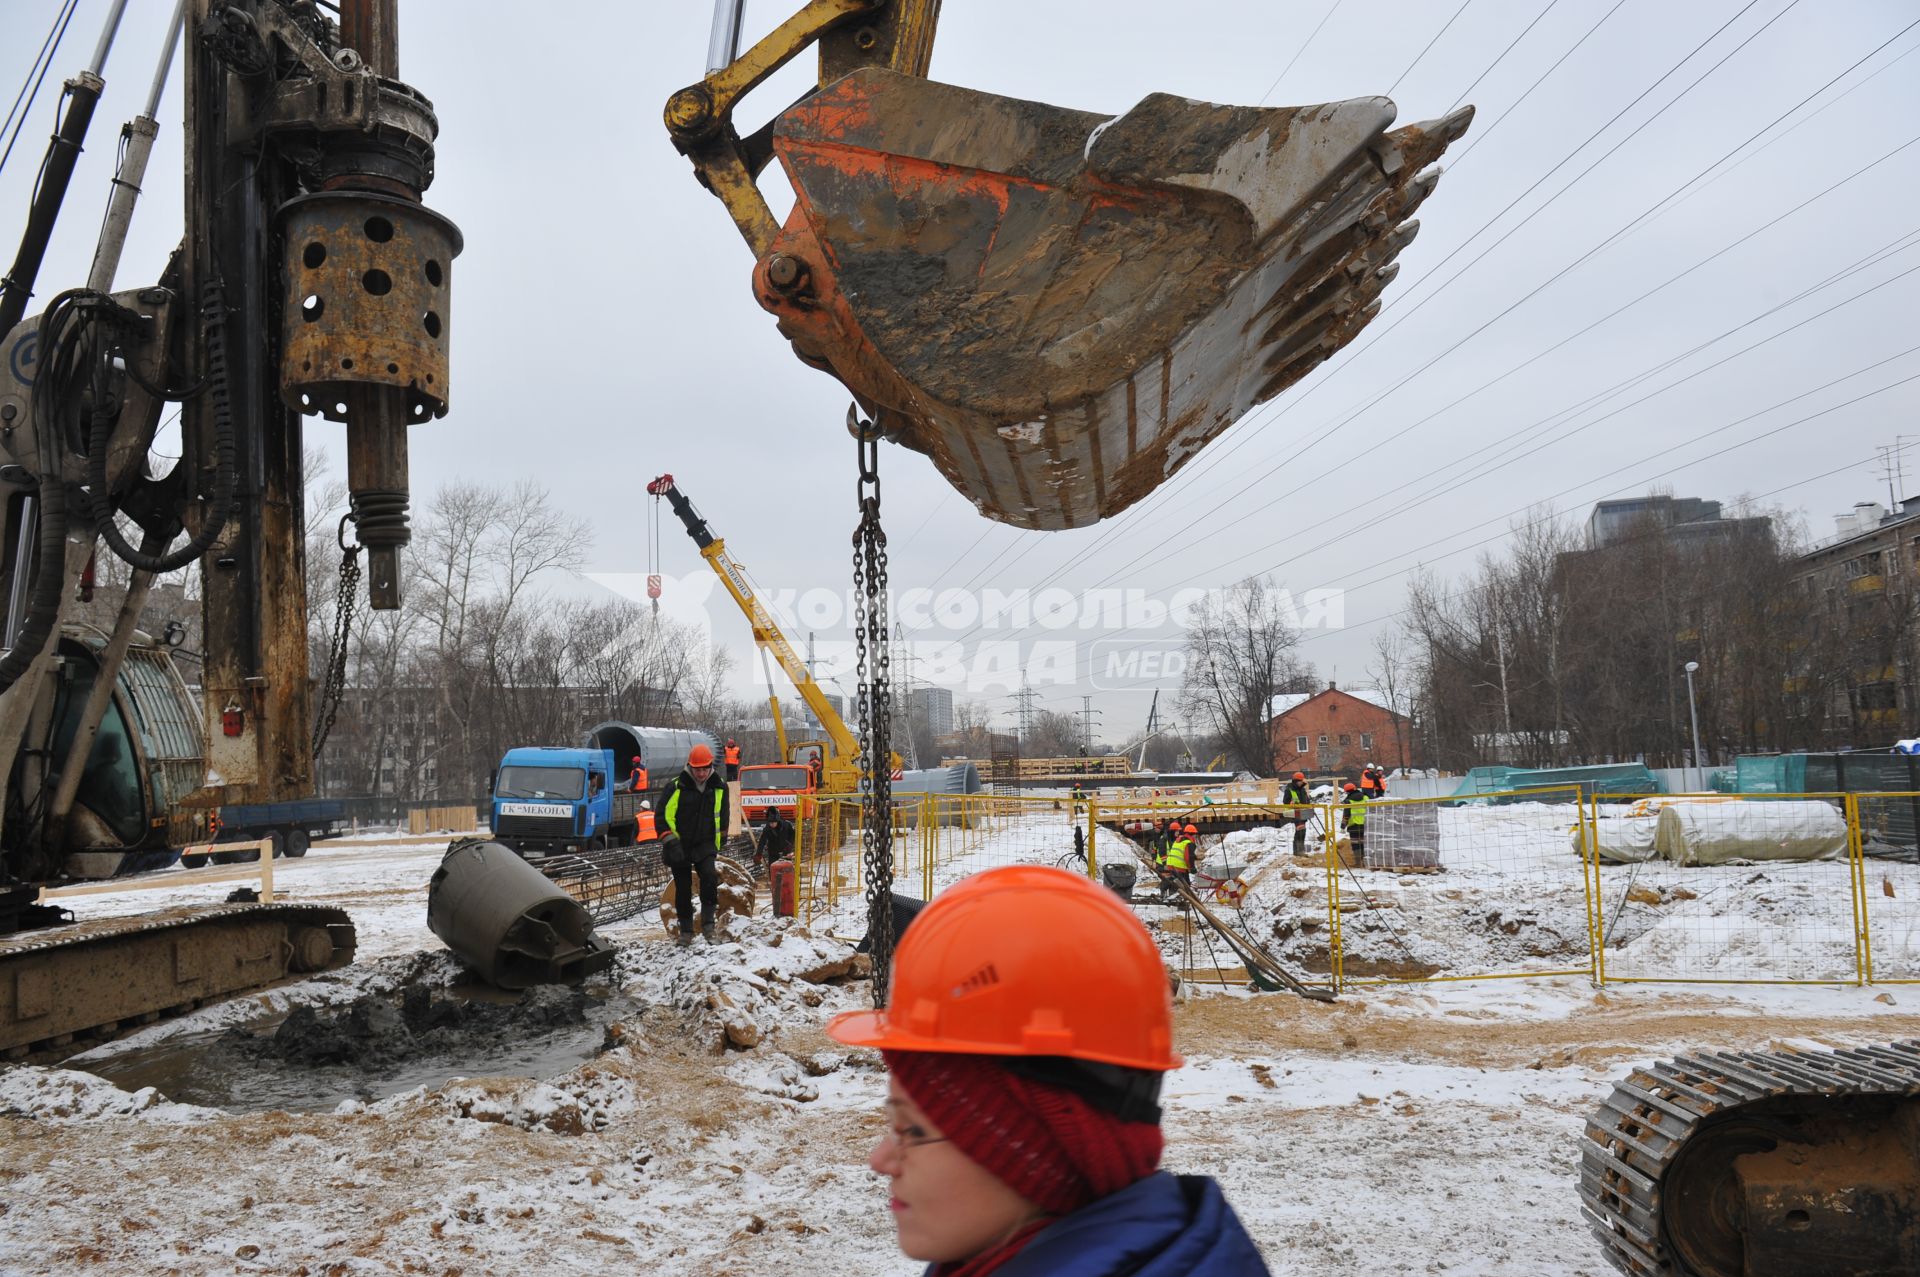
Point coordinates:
[(1061, 308)]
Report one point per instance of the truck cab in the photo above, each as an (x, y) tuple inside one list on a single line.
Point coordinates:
[(781, 785), (549, 801)]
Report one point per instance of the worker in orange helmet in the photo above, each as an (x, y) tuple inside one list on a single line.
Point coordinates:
[(1025, 1152), (1182, 854), (639, 775), (1353, 819), (733, 760), (696, 815), (1299, 801)]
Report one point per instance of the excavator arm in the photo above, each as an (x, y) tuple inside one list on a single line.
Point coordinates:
[(1060, 308), (766, 634)]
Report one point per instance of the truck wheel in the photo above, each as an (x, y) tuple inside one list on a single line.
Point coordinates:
[(298, 840), (192, 862)]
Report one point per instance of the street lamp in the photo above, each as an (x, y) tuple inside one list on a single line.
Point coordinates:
[(1693, 713)]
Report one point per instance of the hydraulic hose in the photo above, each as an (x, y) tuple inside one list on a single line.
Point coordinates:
[(43, 608), (219, 385)]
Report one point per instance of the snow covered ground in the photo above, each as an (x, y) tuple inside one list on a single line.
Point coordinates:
[(1409, 1128)]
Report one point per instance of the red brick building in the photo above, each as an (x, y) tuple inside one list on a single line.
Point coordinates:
[(1338, 732)]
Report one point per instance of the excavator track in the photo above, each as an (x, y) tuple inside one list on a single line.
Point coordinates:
[(1751, 1164), (93, 978)]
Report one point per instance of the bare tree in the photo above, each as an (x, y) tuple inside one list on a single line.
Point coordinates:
[(1052, 735), (1240, 654), (706, 689), (970, 725), (1389, 673)]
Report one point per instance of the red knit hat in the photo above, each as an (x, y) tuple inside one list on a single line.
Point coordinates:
[(1046, 1143)]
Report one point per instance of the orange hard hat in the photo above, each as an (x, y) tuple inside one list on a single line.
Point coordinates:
[(700, 756), (1000, 964), (1350, 785), (1299, 775), (1193, 829)]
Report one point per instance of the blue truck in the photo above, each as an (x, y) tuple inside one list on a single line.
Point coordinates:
[(289, 828), (548, 801)]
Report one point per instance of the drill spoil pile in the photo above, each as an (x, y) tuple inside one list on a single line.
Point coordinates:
[(683, 1113)]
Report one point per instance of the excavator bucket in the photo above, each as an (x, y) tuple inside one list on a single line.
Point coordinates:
[(1062, 308)]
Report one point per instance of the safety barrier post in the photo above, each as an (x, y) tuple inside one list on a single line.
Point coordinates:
[(1330, 839), (1596, 939), (929, 843), (1856, 868), (1093, 824)]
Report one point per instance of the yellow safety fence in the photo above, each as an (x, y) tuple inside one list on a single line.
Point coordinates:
[(1548, 882), (1729, 889)]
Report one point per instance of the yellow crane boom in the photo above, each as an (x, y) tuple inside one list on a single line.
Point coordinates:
[(840, 764)]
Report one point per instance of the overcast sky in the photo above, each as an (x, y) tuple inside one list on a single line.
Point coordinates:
[(604, 330)]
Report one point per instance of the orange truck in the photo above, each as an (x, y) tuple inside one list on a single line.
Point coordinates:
[(780, 785)]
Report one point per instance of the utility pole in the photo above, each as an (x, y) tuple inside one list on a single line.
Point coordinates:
[(1087, 714), (903, 661), (1506, 705), (1023, 702)]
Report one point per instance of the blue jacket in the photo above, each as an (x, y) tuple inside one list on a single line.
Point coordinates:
[(1163, 1226)]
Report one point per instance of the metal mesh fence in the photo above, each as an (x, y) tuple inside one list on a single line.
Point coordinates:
[(829, 869), (1728, 889), (1775, 888), (1259, 868), (1456, 889), (973, 832), (1889, 886)]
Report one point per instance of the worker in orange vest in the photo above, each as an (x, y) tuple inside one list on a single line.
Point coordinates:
[(644, 829), (733, 760), (639, 776)]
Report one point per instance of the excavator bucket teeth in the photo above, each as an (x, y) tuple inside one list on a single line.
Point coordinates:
[(1062, 308)]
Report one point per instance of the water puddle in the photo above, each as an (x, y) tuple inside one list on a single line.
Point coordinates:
[(313, 1058)]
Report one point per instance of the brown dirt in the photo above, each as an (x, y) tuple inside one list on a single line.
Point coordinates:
[(1605, 1031)]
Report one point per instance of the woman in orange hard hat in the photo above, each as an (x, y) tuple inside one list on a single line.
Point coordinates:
[(1023, 1116)]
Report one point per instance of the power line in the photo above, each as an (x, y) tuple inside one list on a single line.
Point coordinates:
[(1551, 6), (36, 76), (1412, 426), (1649, 478), (1376, 338), (1185, 546), (1429, 46), (1297, 53), (1225, 505)]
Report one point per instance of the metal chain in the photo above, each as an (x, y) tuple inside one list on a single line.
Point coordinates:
[(873, 672), (335, 684)]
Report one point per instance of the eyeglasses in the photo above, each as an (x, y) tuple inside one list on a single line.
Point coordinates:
[(902, 1142)]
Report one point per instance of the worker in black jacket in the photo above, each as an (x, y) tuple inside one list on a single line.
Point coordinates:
[(776, 836), (696, 812), (1299, 803)]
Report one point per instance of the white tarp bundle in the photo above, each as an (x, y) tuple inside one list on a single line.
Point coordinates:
[(1620, 839), (1712, 833)]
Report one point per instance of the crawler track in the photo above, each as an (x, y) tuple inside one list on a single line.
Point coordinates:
[(90, 979), (1747, 1164)]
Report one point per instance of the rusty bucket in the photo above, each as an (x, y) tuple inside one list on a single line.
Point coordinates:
[(1062, 308)]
